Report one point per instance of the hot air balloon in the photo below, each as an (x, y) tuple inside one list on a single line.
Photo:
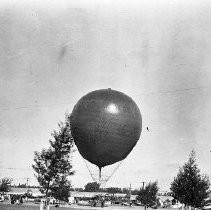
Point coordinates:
[(105, 124)]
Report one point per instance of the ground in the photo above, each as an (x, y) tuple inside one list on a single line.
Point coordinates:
[(36, 207)]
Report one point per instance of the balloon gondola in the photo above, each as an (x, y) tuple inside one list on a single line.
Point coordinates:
[(105, 124)]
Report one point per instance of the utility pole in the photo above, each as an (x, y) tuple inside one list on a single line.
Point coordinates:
[(143, 184), (130, 195), (27, 183)]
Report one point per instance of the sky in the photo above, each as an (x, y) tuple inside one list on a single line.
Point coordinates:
[(158, 52)]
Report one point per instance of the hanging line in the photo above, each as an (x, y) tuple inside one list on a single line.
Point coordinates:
[(113, 172), (102, 180), (89, 170)]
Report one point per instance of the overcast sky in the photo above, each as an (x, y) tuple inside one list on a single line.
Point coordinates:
[(158, 52)]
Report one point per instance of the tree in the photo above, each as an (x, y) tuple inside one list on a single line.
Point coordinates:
[(189, 186), (135, 192), (53, 166), (113, 190), (125, 190), (147, 195), (61, 189), (5, 184), (92, 187), (29, 193)]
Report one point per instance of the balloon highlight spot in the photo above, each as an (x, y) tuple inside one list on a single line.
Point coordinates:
[(112, 108)]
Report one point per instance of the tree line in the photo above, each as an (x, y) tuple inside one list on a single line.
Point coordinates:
[(23, 186), (95, 187)]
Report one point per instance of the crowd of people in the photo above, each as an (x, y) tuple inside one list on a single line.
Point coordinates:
[(4, 196), (95, 200), (16, 199), (12, 198)]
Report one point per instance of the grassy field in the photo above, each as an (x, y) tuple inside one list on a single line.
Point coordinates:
[(31, 207), (36, 207)]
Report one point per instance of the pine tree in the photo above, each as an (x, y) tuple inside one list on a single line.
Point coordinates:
[(53, 166), (148, 195), (190, 187)]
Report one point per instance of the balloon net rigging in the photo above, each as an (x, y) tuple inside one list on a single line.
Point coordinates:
[(102, 177)]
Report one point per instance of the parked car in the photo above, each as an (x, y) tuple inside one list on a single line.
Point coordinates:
[(125, 204)]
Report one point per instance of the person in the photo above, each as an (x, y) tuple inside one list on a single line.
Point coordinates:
[(48, 203), (130, 203), (91, 202), (17, 200), (102, 202), (21, 200), (12, 199), (41, 205), (94, 202), (1, 197)]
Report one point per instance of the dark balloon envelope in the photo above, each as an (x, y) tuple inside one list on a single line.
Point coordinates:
[(105, 125)]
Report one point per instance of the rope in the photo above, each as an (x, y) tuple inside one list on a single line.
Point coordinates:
[(104, 181), (89, 169), (114, 171)]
